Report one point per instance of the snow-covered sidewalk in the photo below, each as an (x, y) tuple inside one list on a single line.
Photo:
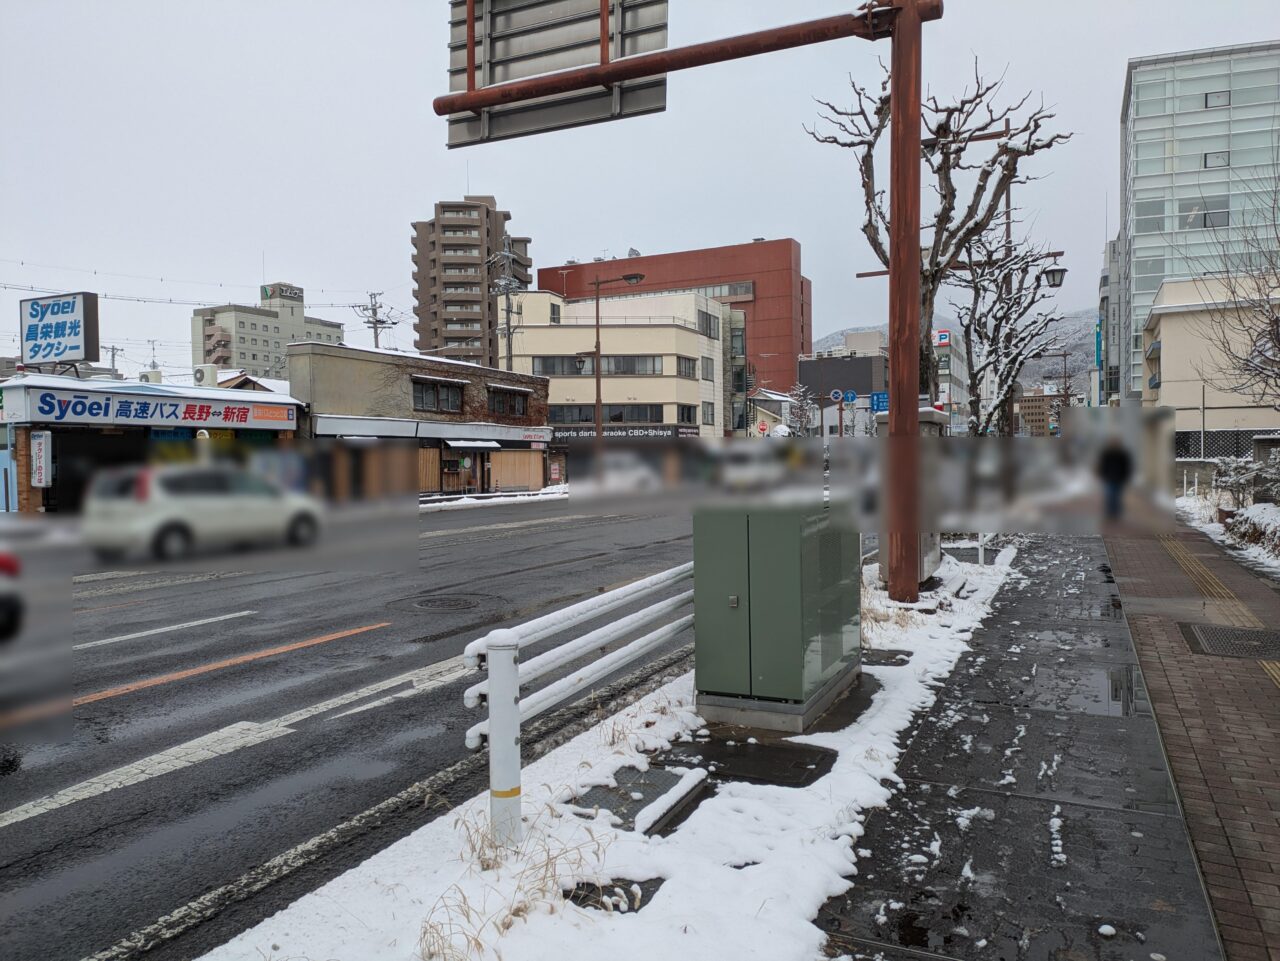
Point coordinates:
[(427, 505), (1253, 539), (743, 877)]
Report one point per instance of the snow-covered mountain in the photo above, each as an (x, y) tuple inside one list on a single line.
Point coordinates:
[(1075, 332)]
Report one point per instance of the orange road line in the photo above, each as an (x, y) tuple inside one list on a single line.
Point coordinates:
[(55, 707)]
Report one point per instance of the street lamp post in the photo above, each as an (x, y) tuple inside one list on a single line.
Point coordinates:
[(597, 283)]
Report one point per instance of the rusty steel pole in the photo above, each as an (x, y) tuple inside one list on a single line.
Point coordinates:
[(903, 469)]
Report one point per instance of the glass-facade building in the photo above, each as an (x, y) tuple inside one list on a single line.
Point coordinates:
[(1199, 138)]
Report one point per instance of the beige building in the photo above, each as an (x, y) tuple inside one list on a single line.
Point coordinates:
[(862, 343), (253, 339), (477, 430), (457, 262), (1183, 371), (664, 358)]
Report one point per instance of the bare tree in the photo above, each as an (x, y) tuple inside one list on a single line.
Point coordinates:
[(1002, 323), (1239, 283), (969, 189), (800, 410)]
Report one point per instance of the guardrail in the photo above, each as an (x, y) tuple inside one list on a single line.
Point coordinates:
[(499, 652)]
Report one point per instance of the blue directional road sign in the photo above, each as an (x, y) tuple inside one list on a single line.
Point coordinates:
[(850, 396), (879, 401)]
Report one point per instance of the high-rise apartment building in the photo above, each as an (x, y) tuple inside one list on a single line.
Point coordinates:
[(253, 339), (458, 256), (1198, 165), (1109, 303), (762, 279)]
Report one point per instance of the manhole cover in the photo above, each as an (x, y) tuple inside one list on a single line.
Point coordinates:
[(1232, 641), (446, 602)]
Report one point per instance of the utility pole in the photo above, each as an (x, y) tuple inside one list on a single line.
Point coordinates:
[(113, 351), (506, 283), (372, 320)]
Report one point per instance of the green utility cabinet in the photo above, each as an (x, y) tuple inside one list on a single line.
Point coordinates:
[(776, 607)]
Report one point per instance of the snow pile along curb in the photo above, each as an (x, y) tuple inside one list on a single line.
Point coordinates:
[(742, 877)]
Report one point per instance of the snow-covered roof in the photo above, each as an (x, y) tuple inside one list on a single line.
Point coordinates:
[(409, 354), (136, 387), (273, 384), (769, 394)]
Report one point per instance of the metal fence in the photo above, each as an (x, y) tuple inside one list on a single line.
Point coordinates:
[(1217, 443), (499, 652)]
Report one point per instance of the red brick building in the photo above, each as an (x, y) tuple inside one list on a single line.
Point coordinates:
[(762, 279)]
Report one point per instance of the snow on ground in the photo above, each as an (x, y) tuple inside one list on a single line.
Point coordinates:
[(554, 492), (1254, 537), (743, 875)]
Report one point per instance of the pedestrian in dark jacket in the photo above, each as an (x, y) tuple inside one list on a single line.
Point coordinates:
[(1115, 468)]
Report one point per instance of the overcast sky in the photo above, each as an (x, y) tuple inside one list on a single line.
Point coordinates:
[(199, 141)]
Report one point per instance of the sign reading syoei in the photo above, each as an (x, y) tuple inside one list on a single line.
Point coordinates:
[(89, 407), (59, 328)]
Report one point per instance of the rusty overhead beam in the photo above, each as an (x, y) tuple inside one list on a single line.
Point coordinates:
[(871, 25)]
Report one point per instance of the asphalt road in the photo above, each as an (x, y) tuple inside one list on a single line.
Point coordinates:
[(226, 717)]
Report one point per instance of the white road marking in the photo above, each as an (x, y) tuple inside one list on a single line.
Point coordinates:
[(107, 576), (224, 741), (172, 580), (234, 737), (431, 679), (512, 524), (161, 630)]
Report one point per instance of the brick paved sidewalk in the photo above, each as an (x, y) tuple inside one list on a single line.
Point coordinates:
[(1219, 716)]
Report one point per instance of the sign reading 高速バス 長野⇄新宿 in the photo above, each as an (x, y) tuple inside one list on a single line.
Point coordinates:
[(92, 407), (59, 328)]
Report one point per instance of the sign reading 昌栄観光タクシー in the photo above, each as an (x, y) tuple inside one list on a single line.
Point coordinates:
[(91, 407), (59, 328)]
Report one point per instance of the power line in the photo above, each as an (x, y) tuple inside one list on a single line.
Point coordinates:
[(148, 300), (163, 280)]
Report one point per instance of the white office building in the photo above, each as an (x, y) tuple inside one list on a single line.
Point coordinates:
[(1199, 134), (253, 339)]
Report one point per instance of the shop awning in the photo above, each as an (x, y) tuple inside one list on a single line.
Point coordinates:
[(473, 444)]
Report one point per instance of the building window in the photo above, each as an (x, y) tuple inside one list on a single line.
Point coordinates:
[(1148, 217), (687, 367), (277, 330), (1218, 98), (631, 365), (708, 325), (1201, 212), (242, 355), (738, 342), (686, 414), (508, 402), (241, 325), (708, 368), (428, 395), (240, 338), (739, 380), (613, 414), (709, 413), (563, 366), (253, 326), (253, 356), (253, 341), (1148, 274), (1217, 158), (555, 313)]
